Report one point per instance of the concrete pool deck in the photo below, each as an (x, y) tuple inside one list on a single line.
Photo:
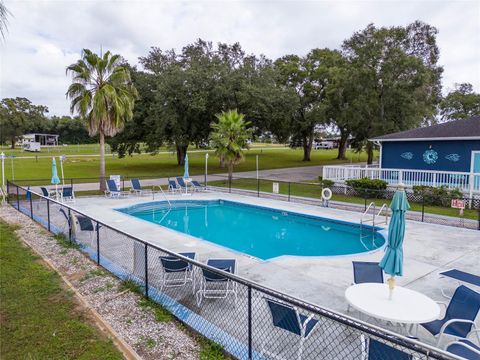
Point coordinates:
[(428, 249)]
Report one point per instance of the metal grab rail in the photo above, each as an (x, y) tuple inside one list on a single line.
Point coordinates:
[(362, 220), (163, 193), (384, 206)]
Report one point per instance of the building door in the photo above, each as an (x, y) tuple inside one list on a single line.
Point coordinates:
[(475, 169)]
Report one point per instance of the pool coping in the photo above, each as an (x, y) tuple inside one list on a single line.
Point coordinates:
[(382, 232)]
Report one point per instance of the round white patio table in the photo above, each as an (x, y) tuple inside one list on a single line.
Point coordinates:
[(406, 306)]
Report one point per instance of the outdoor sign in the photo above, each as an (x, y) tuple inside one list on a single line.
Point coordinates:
[(275, 188), (458, 204)]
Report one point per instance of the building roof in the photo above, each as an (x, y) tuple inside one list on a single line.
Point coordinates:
[(464, 129)]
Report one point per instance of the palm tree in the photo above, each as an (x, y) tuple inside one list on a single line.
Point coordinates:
[(103, 95), (4, 13), (229, 138)]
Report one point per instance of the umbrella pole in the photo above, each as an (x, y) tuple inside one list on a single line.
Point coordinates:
[(391, 287)]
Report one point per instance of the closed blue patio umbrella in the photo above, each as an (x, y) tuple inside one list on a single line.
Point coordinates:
[(392, 262), (185, 173), (55, 179)]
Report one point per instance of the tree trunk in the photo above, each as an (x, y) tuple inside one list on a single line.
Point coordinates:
[(369, 152), (102, 161), (342, 147), (222, 162), (12, 145), (181, 152), (230, 171), (307, 147)]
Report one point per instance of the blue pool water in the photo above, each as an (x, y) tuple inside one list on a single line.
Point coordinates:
[(261, 232)]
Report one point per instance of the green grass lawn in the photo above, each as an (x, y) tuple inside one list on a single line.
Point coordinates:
[(314, 191), (166, 164), (39, 318), (71, 149)]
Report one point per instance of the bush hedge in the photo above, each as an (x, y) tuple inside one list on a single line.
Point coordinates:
[(441, 196), (368, 188)]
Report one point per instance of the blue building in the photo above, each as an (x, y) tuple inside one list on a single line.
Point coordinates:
[(446, 154), (450, 146)]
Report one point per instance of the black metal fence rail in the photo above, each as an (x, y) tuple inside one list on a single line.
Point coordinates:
[(347, 198), (242, 322)]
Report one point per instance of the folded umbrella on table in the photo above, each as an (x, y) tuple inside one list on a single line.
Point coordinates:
[(392, 262)]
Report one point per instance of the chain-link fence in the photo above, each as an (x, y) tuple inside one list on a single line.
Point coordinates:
[(425, 207), (248, 320)]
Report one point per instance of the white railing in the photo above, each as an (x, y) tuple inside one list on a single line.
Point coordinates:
[(468, 183)]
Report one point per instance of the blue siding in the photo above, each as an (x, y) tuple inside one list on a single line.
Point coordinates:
[(441, 155)]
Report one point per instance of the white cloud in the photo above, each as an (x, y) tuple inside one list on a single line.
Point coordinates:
[(46, 36)]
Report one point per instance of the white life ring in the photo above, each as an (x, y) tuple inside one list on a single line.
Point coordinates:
[(326, 194)]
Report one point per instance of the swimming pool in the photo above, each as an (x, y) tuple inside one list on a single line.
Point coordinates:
[(259, 231)]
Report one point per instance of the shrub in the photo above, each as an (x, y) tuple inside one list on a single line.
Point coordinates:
[(441, 196), (368, 188), (325, 183)]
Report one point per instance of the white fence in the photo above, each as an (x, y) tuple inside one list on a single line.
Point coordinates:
[(468, 183)]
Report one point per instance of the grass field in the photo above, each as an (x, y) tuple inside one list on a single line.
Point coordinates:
[(89, 149), (72, 149), (39, 318), (314, 191), (165, 164)]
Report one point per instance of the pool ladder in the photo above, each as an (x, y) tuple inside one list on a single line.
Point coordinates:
[(371, 208), (163, 193)]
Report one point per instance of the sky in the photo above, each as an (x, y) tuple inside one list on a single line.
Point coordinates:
[(44, 37)]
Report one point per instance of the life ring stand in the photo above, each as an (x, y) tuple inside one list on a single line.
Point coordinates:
[(326, 194)]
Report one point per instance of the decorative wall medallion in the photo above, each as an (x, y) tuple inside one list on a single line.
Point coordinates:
[(453, 157), (407, 155), (430, 156)]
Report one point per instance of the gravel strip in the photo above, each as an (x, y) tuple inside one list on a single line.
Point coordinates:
[(121, 310)]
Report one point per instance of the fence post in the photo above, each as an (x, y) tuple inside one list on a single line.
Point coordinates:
[(48, 214), (229, 184), (258, 187), (365, 206), (289, 191), (250, 350), (18, 200), (71, 183), (31, 206), (423, 207), (69, 225), (146, 270), (478, 211), (98, 244)]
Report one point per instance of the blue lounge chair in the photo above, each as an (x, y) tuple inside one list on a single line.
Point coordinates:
[(113, 190), (459, 316), (172, 186), (177, 272), (367, 272), (47, 193), (465, 349), (288, 319), (460, 277), (137, 187), (381, 351), (217, 286), (197, 186), (181, 183), (68, 194)]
